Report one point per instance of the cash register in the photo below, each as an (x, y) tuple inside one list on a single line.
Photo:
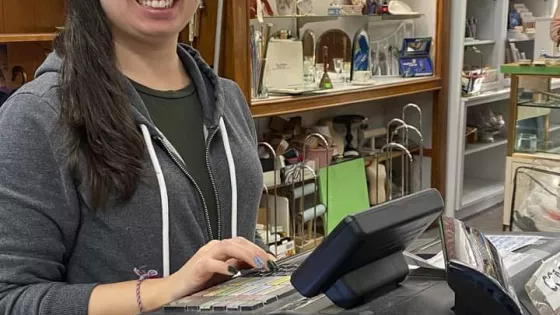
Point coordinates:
[(360, 269), (360, 260)]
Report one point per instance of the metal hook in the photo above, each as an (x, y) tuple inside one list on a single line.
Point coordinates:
[(302, 204), (389, 138), (274, 156), (420, 128), (418, 109), (407, 127), (405, 150), (313, 172)]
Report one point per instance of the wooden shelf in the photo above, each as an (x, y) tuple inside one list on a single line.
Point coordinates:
[(351, 95), (26, 37)]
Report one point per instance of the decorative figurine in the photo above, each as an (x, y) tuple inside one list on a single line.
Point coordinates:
[(286, 7), (326, 83), (360, 52), (370, 7), (385, 7)]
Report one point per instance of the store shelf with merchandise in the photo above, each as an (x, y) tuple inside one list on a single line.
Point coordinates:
[(474, 190), (385, 35), (347, 94)]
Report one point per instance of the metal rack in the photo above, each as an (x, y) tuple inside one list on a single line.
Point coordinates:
[(301, 186)]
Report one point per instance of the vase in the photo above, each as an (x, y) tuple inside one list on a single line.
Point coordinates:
[(305, 7), (286, 7)]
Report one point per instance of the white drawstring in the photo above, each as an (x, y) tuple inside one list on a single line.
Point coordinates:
[(163, 189), (232, 177), (164, 199)]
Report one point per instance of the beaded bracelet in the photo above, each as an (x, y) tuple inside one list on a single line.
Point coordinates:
[(142, 275)]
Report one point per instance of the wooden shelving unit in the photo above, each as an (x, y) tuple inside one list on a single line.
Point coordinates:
[(291, 105), (235, 64), (26, 37)]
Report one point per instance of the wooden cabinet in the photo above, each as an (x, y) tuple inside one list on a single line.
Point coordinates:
[(236, 62), (28, 28)]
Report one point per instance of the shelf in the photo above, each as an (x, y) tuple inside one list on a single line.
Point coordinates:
[(521, 40), (381, 159), (498, 95), (393, 87), (516, 69), (487, 97), (478, 42), (474, 148), (554, 127), (304, 19), (26, 37), (552, 105), (477, 190)]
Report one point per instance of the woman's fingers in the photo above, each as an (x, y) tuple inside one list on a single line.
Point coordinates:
[(242, 250), (257, 251), (219, 267)]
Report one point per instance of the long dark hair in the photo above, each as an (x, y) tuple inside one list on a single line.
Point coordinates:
[(95, 107)]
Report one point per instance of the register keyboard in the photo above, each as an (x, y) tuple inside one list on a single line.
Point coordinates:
[(246, 293)]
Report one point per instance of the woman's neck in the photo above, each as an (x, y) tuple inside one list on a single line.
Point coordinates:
[(155, 66)]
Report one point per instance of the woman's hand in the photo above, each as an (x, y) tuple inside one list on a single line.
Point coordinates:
[(215, 262), (240, 265)]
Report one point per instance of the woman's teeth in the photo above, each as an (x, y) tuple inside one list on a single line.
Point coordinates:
[(156, 4)]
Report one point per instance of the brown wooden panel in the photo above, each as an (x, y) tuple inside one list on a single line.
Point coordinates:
[(1, 16), (27, 55), (26, 37), (441, 98), (235, 54), (48, 15), (18, 16), (205, 42)]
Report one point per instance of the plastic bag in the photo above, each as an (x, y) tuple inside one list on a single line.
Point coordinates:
[(544, 287), (537, 197)]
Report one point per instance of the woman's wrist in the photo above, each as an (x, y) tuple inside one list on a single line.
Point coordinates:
[(155, 293)]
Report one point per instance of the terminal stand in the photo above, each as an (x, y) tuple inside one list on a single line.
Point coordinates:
[(369, 282), (475, 295)]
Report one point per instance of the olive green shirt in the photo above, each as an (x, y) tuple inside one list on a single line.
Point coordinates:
[(178, 115)]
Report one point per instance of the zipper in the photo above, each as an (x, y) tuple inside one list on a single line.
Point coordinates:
[(206, 213), (218, 208)]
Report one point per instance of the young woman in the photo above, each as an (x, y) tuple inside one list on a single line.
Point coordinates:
[(129, 174)]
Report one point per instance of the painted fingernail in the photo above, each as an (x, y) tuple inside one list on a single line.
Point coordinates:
[(272, 266), (259, 262), (232, 270)]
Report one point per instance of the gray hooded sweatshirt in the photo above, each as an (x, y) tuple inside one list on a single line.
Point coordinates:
[(54, 249)]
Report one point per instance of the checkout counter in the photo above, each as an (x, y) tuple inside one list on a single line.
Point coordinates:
[(421, 291)]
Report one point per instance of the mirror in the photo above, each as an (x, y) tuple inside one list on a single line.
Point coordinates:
[(339, 44)]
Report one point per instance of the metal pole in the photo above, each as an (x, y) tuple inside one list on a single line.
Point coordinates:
[(218, 39)]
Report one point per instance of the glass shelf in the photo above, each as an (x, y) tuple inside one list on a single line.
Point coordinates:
[(549, 104), (304, 19), (534, 128)]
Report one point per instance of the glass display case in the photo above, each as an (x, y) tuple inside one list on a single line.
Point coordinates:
[(533, 128), (534, 110)]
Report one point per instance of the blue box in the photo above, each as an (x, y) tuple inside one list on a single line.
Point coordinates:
[(415, 60)]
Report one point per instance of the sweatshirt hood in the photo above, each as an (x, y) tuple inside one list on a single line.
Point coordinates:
[(206, 81)]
